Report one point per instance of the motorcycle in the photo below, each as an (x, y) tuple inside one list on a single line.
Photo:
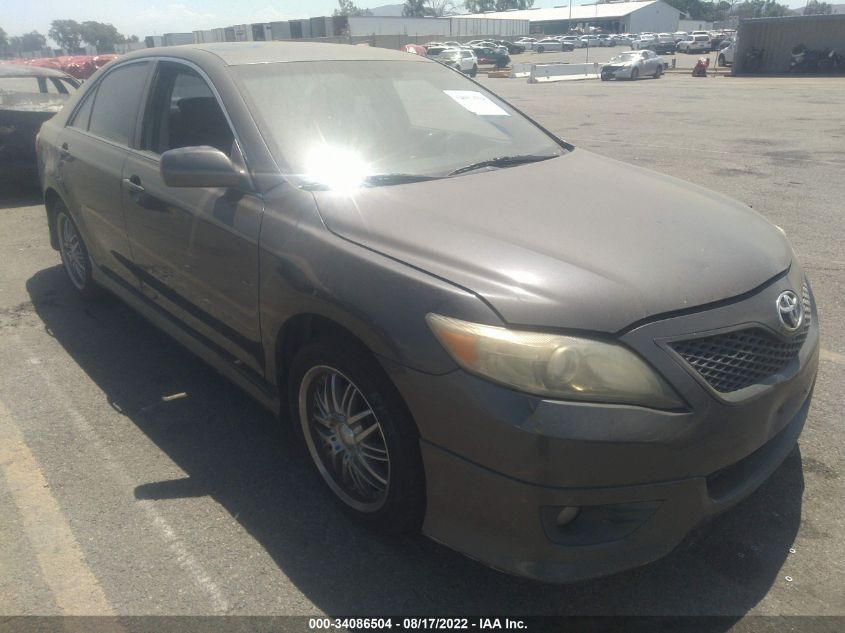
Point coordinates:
[(807, 60), (754, 60)]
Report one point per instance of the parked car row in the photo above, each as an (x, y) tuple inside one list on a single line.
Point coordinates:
[(467, 57), (659, 43)]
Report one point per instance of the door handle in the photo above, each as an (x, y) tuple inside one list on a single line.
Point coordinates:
[(64, 152), (133, 184)]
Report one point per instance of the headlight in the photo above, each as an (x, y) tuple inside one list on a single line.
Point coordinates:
[(554, 366)]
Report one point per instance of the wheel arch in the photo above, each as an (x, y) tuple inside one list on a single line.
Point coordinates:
[(303, 328)]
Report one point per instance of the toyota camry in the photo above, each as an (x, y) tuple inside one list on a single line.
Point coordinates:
[(561, 391)]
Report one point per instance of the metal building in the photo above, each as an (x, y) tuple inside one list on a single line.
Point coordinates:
[(616, 17), (777, 37)]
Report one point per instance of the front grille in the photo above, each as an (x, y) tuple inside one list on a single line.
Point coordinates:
[(739, 359)]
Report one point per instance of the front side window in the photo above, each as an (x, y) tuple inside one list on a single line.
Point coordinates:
[(116, 105), (183, 112), (383, 117)]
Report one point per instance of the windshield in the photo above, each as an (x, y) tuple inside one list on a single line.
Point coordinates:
[(350, 120), (626, 57)]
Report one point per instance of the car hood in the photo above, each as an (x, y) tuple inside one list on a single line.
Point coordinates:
[(581, 241)]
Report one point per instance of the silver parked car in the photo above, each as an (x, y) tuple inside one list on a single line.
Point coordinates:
[(633, 65), (561, 393)]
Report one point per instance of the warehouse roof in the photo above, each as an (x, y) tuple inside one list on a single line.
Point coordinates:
[(582, 12)]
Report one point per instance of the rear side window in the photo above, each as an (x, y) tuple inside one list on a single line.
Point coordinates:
[(116, 103), (19, 84), (83, 113)]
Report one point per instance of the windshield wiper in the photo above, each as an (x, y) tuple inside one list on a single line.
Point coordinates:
[(503, 161), (380, 180)]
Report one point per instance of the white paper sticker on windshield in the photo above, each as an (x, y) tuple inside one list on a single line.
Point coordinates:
[(476, 102)]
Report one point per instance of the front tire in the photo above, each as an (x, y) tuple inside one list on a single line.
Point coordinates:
[(359, 434), (635, 74), (722, 61), (74, 253), (474, 71)]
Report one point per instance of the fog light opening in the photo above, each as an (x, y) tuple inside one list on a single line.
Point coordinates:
[(567, 515)]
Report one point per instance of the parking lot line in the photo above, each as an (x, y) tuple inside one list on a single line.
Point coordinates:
[(176, 545), (60, 559)]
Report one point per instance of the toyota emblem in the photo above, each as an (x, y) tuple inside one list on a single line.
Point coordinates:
[(790, 310)]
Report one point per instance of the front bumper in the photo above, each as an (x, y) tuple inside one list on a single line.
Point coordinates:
[(617, 73), (500, 465)]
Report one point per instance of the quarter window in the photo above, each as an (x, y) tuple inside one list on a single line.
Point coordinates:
[(83, 113), (116, 104)]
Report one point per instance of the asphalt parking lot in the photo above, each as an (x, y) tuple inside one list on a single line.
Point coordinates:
[(115, 499)]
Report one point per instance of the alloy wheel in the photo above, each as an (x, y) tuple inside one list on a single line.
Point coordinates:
[(345, 438), (72, 251)]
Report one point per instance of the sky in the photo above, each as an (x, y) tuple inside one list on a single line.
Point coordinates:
[(154, 17)]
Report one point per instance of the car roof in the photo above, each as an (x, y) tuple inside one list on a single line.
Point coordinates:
[(19, 70), (241, 53)]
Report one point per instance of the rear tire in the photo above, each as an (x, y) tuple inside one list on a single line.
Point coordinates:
[(375, 474), (74, 253), (474, 71), (658, 72), (541, 49)]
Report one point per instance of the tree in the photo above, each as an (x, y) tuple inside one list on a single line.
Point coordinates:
[(439, 8), (414, 8), (28, 42), (347, 8), (814, 7), (762, 9), (66, 33), (479, 6), (423, 8), (4, 40), (100, 35)]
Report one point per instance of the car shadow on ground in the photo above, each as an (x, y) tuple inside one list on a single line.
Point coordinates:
[(250, 463)]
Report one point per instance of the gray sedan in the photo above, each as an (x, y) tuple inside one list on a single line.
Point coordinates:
[(633, 65), (560, 393)]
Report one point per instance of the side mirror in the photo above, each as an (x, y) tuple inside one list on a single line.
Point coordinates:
[(201, 166)]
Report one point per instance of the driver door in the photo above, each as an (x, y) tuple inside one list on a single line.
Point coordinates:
[(194, 250)]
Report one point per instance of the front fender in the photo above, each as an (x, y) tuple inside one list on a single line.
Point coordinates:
[(306, 269)]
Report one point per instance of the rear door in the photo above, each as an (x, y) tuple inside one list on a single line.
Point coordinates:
[(195, 249), (93, 148)]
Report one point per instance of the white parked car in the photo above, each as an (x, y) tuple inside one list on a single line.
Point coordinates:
[(526, 42), (633, 65), (678, 36), (462, 59), (590, 40), (695, 44), (644, 40), (550, 44), (726, 55)]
